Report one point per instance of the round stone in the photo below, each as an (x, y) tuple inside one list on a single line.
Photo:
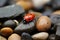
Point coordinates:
[(14, 37), (6, 31), (2, 38), (10, 23), (55, 16), (26, 36), (40, 36), (43, 23)]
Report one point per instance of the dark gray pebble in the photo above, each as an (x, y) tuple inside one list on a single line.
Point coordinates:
[(11, 11), (29, 27), (2, 2), (26, 36), (10, 23)]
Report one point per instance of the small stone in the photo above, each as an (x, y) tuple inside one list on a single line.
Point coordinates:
[(43, 23), (26, 36), (40, 36), (55, 16), (25, 4), (6, 31), (10, 23), (2, 38), (56, 4), (14, 37), (39, 3), (28, 27)]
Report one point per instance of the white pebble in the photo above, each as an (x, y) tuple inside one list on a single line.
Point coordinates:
[(39, 3), (42, 35)]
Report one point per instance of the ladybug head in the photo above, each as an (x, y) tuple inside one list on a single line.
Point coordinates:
[(29, 17)]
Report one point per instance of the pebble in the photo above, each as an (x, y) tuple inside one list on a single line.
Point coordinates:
[(39, 3), (28, 27), (56, 12), (40, 36), (2, 38), (26, 36), (6, 31), (56, 4), (14, 37), (9, 11), (43, 23), (25, 4), (55, 16), (10, 23)]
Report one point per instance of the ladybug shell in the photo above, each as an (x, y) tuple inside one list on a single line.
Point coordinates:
[(29, 17)]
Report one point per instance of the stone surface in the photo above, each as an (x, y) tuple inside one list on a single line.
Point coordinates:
[(25, 4)]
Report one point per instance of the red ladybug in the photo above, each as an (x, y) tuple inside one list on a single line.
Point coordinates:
[(29, 17)]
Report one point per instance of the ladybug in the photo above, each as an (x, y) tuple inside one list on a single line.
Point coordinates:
[(29, 17)]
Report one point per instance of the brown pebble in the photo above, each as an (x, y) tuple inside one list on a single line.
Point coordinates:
[(6, 31), (57, 12), (25, 4), (43, 23)]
